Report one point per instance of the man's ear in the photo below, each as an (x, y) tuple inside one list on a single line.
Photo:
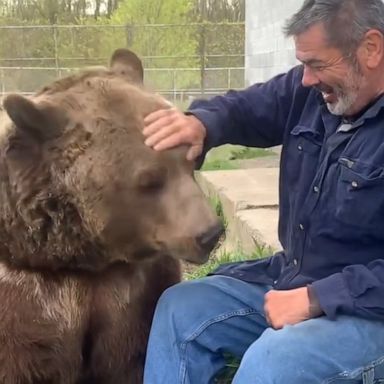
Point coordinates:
[(42, 121), (371, 50), (127, 64)]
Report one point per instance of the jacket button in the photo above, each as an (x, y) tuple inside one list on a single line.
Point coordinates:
[(300, 147), (316, 189), (295, 262), (354, 184), (301, 226)]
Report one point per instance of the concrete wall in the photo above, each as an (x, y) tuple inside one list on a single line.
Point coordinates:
[(267, 51)]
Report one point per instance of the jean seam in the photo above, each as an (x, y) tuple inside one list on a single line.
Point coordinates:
[(201, 329), (358, 371)]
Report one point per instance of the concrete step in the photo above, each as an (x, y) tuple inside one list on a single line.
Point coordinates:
[(249, 200)]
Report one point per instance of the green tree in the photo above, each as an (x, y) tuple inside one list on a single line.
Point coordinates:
[(158, 31), (219, 10), (56, 11), (99, 26)]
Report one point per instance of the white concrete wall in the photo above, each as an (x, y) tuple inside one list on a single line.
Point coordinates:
[(267, 51)]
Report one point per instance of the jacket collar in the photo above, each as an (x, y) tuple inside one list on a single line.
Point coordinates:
[(369, 112)]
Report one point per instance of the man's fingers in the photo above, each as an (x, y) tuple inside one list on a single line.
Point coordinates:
[(272, 323), (152, 117), (157, 125), (168, 128), (160, 135), (171, 141), (194, 152)]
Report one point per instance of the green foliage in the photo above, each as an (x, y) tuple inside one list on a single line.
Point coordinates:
[(226, 257), (55, 11), (226, 376), (232, 363), (225, 158), (249, 153), (218, 165), (219, 10), (217, 206), (183, 59), (148, 33)]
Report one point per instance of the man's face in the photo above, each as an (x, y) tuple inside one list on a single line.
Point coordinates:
[(343, 86)]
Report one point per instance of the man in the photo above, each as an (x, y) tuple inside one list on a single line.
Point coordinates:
[(313, 313)]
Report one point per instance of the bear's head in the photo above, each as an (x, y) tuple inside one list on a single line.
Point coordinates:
[(79, 189)]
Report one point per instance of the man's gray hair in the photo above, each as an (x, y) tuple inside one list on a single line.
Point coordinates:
[(346, 21)]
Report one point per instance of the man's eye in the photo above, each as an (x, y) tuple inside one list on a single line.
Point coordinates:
[(319, 68)]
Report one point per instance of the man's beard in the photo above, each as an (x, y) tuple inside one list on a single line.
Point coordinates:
[(346, 94), (345, 101)]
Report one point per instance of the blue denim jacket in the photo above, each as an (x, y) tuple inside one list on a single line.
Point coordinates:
[(331, 223)]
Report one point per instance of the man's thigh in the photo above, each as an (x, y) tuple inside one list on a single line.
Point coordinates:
[(220, 312), (196, 322), (348, 350)]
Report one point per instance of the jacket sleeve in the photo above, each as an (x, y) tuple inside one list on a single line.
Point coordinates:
[(358, 290), (255, 117)]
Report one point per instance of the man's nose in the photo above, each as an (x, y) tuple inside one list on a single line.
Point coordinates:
[(309, 77)]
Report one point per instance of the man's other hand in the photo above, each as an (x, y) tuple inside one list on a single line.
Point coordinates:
[(287, 307)]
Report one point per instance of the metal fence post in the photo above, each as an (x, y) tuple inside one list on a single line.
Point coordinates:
[(178, 80), (56, 49), (2, 78), (202, 58)]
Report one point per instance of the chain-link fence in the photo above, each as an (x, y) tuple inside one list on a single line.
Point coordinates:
[(181, 61)]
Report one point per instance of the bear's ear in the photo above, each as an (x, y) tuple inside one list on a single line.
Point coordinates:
[(127, 64), (43, 121)]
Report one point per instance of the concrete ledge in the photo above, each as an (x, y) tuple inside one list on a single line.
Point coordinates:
[(249, 199)]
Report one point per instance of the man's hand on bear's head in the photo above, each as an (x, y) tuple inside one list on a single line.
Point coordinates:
[(169, 128)]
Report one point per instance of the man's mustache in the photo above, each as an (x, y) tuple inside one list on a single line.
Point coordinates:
[(324, 88)]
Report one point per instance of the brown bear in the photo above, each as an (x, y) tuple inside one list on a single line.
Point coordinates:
[(92, 224)]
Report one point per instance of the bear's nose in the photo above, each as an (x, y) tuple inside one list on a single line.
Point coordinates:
[(208, 239)]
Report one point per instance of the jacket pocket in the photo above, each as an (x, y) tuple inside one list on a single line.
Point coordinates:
[(301, 157), (306, 139), (360, 194)]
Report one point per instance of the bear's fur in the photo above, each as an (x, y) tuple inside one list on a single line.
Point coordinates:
[(92, 223)]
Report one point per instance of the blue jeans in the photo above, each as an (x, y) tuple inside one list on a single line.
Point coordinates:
[(197, 321)]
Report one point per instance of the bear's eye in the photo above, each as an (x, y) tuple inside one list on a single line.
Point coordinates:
[(151, 180), (15, 145)]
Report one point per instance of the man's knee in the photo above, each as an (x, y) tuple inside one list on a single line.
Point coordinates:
[(189, 296), (276, 357)]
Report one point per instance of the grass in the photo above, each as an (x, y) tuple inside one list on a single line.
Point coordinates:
[(232, 363), (217, 206), (219, 165), (221, 257), (245, 153), (227, 157), (226, 376), (225, 257)]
